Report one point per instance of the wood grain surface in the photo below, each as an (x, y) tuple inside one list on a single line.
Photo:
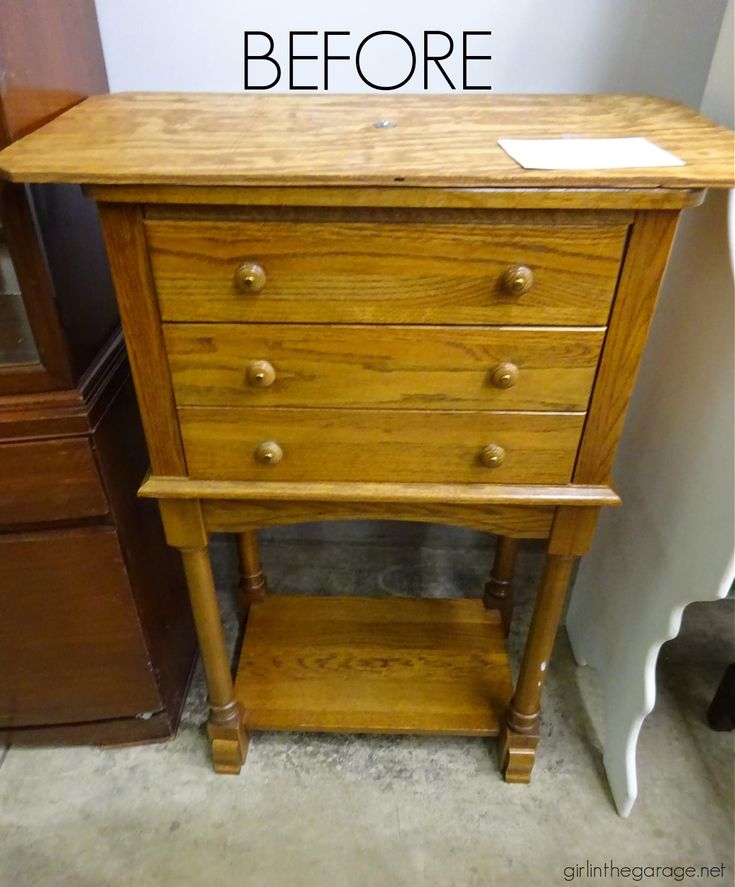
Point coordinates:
[(646, 257), (369, 272), (130, 266), (322, 139), (51, 58), (49, 480), (111, 733), (379, 445), (71, 645), (382, 366), (519, 521), (363, 665), (478, 495), (174, 197)]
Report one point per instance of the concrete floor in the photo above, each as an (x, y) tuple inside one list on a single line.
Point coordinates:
[(383, 811)]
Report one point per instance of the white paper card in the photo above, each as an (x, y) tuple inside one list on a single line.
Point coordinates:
[(571, 153)]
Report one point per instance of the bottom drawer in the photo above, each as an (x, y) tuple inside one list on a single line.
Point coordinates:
[(71, 645), (379, 445)]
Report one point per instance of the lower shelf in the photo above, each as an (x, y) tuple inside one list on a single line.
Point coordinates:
[(367, 665)]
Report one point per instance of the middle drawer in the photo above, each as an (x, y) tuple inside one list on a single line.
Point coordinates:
[(427, 367)]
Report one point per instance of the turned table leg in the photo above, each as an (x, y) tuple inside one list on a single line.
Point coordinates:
[(498, 593), (253, 584), (519, 733), (225, 727), (185, 530)]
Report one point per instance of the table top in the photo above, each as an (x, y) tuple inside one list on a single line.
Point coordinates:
[(324, 139)]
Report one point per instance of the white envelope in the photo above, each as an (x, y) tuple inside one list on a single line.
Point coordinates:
[(572, 153)]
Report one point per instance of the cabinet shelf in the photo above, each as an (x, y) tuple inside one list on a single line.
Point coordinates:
[(367, 665)]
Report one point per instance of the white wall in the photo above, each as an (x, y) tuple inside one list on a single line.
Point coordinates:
[(661, 47)]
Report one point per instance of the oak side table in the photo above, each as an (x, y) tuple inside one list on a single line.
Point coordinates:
[(359, 306)]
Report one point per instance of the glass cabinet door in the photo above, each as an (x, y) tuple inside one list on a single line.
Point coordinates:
[(33, 356), (17, 345)]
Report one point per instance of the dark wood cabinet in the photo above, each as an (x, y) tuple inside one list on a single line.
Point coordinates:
[(96, 635), (84, 654)]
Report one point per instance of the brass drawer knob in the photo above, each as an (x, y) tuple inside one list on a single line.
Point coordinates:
[(268, 453), (492, 456), (505, 375), (518, 279), (249, 278), (260, 374)]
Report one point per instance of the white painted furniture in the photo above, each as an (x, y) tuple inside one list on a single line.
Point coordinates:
[(672, 543)]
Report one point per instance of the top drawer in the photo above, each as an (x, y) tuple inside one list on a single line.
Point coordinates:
[(385, 272)]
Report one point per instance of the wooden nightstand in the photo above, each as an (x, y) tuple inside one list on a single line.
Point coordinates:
[(328, 319)]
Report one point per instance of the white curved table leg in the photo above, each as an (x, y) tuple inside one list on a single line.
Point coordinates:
[(672, 541)]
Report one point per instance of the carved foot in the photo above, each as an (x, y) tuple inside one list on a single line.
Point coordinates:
[(228, 737), (516, 754)]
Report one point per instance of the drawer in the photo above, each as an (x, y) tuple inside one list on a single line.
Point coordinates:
[(429, 368), (379, 445), (49, 480), (375, 272), (71, 645)]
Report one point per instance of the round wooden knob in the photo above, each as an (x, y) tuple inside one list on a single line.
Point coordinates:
[(492, 456), (249, 278), (518, 279), (505, 375), (260, 374), (268, 453)]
